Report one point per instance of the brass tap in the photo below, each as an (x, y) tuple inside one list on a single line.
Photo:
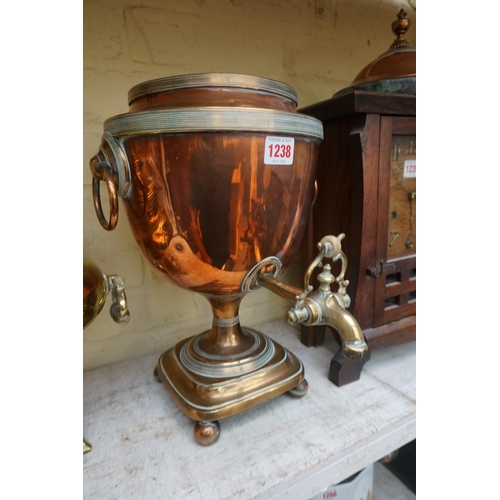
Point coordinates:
[(323, 306)]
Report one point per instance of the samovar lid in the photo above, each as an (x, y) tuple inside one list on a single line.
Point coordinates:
[(206, 80), (393, 71)]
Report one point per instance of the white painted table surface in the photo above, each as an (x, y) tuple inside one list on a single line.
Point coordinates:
[(143, 445)]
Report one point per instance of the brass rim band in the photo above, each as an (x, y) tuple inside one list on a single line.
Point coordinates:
[(204, 80), (214, 119)]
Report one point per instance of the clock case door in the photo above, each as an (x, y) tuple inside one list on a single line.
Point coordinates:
[(353, 198), (395, 287)]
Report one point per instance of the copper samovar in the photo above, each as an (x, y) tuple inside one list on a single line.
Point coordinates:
[(217, 176)]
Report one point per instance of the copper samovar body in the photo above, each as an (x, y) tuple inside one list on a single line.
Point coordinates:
[(216, 173)]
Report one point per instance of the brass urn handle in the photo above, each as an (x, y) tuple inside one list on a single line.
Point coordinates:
[(96, 286), (119, 308), (101, 172), (110, 165)]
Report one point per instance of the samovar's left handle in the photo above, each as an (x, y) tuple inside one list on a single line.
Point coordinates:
[(101, 171), (110, 166)]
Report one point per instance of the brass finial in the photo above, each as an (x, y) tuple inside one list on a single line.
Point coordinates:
[(399, 28), (393, 71)]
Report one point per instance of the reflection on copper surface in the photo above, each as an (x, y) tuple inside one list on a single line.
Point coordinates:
[(208, 243)]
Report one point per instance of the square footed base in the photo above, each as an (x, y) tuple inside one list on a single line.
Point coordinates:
[(205, 397)]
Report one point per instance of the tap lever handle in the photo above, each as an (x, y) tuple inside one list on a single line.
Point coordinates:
[(330, 247)]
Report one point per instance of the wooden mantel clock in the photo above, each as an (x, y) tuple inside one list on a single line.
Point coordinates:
[(367, 190)]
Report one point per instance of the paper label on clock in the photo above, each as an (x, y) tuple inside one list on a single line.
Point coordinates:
[(410, 169), (279, 150)]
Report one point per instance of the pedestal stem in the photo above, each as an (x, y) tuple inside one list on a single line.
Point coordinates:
[(226, 338)]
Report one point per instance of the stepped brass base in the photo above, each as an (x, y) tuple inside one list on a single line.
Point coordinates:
[(209, 387)]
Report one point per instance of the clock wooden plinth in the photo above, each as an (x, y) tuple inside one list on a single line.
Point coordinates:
[(367, 190)]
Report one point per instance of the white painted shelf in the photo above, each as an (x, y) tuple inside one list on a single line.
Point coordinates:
[(143, 445)]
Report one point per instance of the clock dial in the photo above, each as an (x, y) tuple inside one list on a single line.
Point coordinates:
[(402, 239)]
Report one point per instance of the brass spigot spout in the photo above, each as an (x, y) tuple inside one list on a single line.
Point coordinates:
[(328, 311), (322, 306), (343, 321)]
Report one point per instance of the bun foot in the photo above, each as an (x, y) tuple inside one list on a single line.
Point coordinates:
[(300, 390), (206, 433)]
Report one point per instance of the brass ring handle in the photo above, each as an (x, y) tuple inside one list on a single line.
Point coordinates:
[(110, 224), (119, 307)]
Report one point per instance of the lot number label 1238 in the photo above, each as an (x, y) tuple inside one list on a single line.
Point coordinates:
[(279, 150)]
